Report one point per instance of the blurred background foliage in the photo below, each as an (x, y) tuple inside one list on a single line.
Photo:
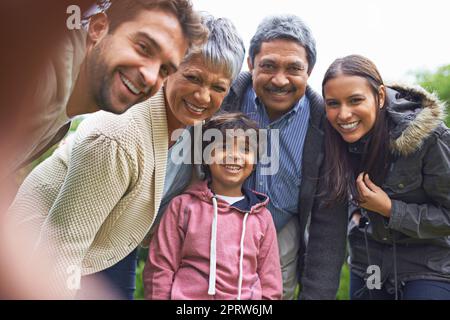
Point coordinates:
[(438, 82)]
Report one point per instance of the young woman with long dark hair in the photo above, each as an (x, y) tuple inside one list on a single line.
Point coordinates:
[(388, 155)]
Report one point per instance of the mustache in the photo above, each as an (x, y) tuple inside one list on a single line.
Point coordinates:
[(275, 89)]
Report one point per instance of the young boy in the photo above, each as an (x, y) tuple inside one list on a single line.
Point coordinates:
[(217, 240)]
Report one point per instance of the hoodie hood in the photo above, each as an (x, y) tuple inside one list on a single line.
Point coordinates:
[(253, 203), (415, 114)]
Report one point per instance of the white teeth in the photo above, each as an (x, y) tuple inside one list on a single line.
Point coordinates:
[(130, 85), (233, 168), (349, 125), (279, 92), (195, 108)]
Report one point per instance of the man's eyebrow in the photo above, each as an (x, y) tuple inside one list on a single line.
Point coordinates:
[(221, 82), (266, 60), (297, 64), (155, 44)]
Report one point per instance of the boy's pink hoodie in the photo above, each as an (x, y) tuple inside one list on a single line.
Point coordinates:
[(184, 248)]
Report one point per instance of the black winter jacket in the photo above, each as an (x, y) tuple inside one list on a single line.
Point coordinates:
[(418, 183)]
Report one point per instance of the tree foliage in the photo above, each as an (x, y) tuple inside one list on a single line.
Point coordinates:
[(437, 82)]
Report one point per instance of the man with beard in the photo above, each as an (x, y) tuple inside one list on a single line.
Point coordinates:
[(51, 74), (119, 60), (275, 94)]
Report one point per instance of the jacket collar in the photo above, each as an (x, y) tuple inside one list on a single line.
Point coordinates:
[(252, 202)]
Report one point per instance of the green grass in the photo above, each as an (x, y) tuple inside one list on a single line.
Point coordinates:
[(344, 286), (139, 292)]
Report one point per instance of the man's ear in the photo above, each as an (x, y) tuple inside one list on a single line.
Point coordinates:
[(249, 64), (98, 28)]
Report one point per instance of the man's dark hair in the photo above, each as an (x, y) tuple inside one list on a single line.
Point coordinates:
[(284, 27), (125, 10)]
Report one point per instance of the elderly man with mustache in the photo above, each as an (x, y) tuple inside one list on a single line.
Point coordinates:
[(275, 93)]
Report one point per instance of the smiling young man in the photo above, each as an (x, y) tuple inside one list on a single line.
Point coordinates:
[(119, 60), (275, 94)]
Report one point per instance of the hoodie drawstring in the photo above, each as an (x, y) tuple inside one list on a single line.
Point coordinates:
[(212, 254), (241, 258)]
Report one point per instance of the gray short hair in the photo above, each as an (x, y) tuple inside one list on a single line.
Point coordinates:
[(289, 27), (224, 48)]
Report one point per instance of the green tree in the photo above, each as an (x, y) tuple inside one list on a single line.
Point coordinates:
[(437, 82)]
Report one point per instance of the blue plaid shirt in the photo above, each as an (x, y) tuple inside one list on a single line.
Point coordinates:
[(283, 187)]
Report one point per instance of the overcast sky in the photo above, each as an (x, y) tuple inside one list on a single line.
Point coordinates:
[(400, 36)]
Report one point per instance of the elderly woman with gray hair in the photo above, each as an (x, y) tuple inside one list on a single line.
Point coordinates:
[(95, 199)]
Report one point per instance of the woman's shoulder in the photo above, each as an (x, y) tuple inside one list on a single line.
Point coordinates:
[(439, 140), (416, 116), (120, 129), (135, 123), (442, 132)]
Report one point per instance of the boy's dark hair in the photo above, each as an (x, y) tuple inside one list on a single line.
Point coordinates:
[(225, 121), (125, 10)]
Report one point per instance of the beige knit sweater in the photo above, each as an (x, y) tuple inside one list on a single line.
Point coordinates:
[(94, 200)]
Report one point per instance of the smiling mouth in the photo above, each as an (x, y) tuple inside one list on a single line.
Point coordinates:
[(194, 108), (280, 92), (232, 168), (129, 85), (349, 126)]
